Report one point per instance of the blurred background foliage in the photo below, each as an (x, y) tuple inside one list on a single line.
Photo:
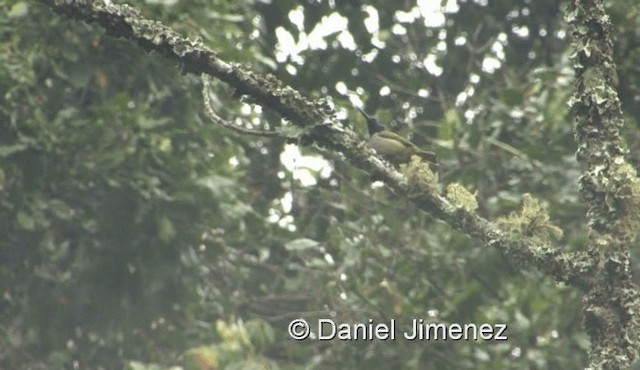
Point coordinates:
[(137, 234)]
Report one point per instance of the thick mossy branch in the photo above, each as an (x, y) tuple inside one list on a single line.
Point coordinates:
[(575, 268), (610, 187), (598, 113)]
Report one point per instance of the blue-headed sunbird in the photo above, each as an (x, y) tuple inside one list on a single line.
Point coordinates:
[(394, 147)]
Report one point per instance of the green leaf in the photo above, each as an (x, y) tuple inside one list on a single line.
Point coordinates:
[(18, 10), (166, 230), (301, 244), (7, 150), (60, 209), (448, 127), (25, 221)]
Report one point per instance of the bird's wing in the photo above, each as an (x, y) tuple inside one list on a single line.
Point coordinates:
[(396, 137)]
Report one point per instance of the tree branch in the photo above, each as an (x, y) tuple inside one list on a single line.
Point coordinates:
[(206, 99), (609, 185)]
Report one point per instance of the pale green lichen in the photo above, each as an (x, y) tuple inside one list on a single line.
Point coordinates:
[(532, 220), (627, 200), (420, 176), (460, 197)]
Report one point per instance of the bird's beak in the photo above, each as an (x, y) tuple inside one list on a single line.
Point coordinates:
[(363, 113)]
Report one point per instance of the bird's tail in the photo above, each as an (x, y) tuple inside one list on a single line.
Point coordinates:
[(429, 157)]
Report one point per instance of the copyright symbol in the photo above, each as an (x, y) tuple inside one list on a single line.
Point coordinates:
[(299, 329)]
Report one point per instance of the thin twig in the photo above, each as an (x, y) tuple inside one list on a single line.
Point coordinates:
[(206, 98)]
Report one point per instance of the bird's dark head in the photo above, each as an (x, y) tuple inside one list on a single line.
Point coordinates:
[(373, 124)]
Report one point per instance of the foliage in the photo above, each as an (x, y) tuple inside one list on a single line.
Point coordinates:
[(138, 234)]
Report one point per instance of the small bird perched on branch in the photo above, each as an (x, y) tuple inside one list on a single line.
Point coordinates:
[(394, 147)]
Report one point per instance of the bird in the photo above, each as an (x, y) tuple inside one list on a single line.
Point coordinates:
[(392, 146)]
